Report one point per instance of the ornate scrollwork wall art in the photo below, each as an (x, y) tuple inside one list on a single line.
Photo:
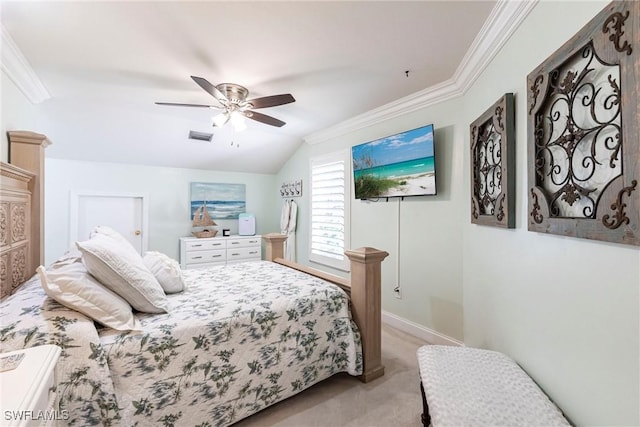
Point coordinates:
[(492, 164), (583, 131)]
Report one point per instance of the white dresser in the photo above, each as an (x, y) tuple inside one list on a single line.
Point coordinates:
[(197, 253), (27, 399)]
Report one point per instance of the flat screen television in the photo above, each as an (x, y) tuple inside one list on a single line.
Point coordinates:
[(395, 166)]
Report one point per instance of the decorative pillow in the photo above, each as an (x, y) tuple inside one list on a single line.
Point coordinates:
[(108, 231), (166, 270), (123, 271), (68, 282)]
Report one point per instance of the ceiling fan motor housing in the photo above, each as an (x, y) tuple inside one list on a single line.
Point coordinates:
[(234, 93)]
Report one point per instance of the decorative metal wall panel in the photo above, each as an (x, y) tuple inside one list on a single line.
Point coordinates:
[(492, 164), (583, 144)]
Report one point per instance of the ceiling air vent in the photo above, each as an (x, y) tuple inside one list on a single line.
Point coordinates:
[(200, 136)]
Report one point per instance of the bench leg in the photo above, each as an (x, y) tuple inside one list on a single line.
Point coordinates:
[(425, 417)]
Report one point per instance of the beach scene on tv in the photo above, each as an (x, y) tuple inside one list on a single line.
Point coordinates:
[(395, 166)]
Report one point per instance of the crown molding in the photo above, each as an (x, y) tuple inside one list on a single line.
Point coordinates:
[(505, 18), (18, 69), (432, 95)]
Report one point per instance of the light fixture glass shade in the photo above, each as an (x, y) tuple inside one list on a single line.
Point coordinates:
[(220, 119), (238, 122)]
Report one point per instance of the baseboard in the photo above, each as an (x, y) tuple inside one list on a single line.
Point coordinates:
[(418, 331)]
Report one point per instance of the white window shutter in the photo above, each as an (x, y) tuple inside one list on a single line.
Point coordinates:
[(329, 210)]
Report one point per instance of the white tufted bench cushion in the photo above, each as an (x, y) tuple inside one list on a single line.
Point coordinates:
[(473, 387)]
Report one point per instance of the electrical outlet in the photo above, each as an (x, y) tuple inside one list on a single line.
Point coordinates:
[(397, 292)]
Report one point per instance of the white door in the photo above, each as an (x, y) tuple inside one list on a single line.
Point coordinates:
[(125, 213)]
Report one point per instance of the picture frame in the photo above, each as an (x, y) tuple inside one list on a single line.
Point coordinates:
[(493, 165), (223, 201), (582, 131)]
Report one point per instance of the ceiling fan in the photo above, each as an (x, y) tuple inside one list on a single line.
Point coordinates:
[(235, 105)]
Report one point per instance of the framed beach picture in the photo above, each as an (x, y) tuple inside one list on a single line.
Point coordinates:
[(223, 201)]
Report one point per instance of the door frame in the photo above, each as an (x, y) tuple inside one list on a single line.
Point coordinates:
[(74, 198)]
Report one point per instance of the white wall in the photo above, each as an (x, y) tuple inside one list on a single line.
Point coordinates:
[(565, 309), (167, 190), (17, 113)]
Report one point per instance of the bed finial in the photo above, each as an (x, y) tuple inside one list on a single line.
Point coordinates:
[(274, 246)]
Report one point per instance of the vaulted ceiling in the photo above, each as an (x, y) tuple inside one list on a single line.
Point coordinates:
[(103, 65)]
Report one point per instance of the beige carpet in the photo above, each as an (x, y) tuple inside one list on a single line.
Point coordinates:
[(390, 401)]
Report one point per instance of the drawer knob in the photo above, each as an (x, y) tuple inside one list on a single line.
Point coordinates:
[(197, 257)]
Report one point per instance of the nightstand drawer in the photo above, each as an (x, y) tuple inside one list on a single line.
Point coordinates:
[(243, 242), (243, 253), (196, 257), (205, 245)]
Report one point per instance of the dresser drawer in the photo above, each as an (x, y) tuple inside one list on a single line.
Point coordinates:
[(243, 254), (198, 257), (243, 243), (209, 251), (204, 245)]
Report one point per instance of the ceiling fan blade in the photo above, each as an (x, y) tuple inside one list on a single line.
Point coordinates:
[(175, 104), (271, 101), (263, 118), (209, 88)]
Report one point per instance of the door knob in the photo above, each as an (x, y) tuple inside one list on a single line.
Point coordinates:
[(138, 232)]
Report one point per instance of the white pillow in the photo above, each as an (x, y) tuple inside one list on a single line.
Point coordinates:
[(68, 282), (108, 231), (166, 271), (123, 271)]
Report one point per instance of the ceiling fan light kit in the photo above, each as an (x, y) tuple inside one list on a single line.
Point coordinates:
[(235, 106)]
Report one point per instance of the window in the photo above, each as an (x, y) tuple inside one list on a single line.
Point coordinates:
[(330, 210)]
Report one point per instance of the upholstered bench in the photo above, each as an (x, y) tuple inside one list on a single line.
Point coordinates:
[(464, 386)]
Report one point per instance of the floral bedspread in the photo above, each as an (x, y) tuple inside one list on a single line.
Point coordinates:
[(240, 338), (85, 391)]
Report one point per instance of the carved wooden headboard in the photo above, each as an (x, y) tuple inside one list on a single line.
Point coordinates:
[(15, 227), (21, 210)]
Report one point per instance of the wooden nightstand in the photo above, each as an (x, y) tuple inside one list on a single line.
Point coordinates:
[(27, 399)]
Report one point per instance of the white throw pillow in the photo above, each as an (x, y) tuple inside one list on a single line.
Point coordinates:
[(68, 282), (122, 271), (108, 231), (166, 270)]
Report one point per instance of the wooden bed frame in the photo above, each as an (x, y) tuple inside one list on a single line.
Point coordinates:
[(22, 245), (364, 291)]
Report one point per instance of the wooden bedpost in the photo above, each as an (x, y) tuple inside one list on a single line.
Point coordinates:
[(26, 151), (274, 246), (366, 306)]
